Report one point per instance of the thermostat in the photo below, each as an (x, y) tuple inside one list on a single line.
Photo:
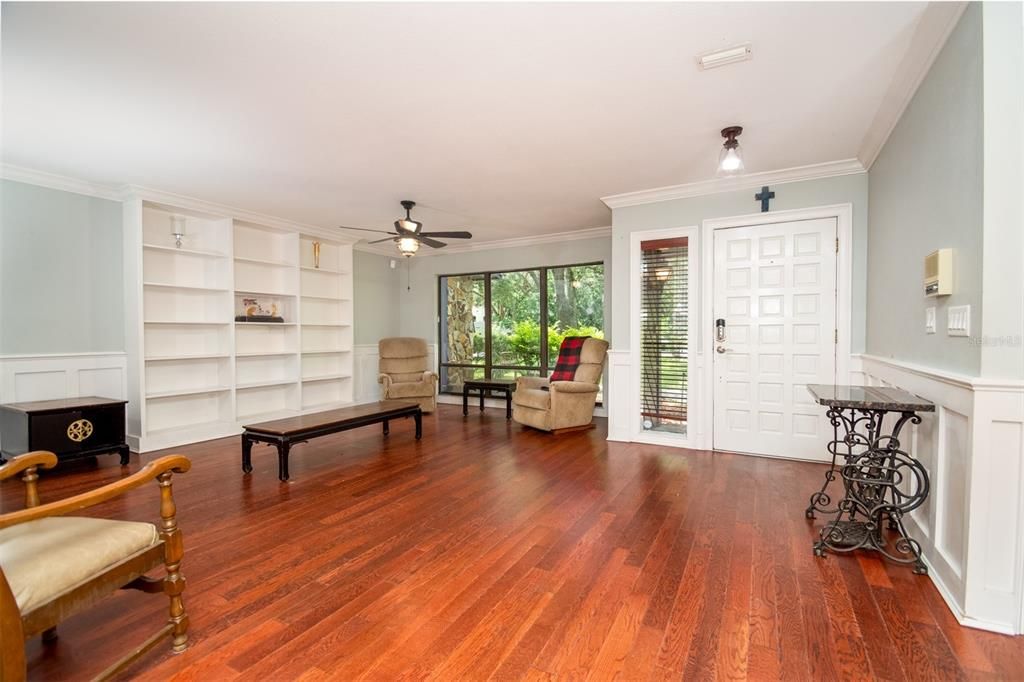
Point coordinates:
[(938, 273)]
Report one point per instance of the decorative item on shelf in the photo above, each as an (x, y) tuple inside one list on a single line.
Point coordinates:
[(316, 255), (178, 229), (254, 312)]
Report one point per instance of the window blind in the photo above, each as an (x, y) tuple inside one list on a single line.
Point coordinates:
[(664, 332)]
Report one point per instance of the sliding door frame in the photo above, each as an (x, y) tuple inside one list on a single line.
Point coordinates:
[(694, 407)]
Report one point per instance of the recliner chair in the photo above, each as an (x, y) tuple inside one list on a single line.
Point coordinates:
[(405, 372), (559, 405)]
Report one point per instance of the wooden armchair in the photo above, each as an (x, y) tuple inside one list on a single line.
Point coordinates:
[(52, 565)]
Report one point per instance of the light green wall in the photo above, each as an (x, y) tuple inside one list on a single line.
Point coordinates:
[(925, 193), (418, 303), (852, 189), (376, 297), (60, 272), (1002, 336)]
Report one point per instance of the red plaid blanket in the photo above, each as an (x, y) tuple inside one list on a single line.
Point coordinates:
[(568, 358)]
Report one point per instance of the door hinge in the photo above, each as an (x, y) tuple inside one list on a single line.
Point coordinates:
[(836, 335), (837, 244)]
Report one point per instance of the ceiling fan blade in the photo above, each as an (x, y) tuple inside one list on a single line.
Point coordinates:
[(363, 229), (386, 239), (433, 243), (449, 235)]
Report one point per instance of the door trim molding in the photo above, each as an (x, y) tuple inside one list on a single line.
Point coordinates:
[(635, 429), (843, 213)]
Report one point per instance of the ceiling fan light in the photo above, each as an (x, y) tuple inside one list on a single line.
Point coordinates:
[(408, 246)]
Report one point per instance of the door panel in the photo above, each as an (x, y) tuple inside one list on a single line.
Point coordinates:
[(775, 286)]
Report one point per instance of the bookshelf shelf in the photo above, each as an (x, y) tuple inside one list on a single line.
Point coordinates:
[(200, 373)]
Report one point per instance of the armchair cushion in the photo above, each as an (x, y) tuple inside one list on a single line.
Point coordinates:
[(574, 387), (43, 558), (410, 389), (537, 398)]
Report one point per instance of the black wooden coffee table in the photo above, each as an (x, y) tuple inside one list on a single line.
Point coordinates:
[(284, 433), (505, 386)]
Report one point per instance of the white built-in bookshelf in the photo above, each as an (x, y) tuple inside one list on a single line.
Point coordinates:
[(195, 372)]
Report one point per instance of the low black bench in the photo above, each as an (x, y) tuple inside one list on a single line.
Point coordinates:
[(284, 433)]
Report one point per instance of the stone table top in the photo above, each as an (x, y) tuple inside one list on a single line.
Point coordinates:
[(869, 398)]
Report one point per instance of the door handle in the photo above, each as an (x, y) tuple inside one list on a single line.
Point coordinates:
[(721, 349)]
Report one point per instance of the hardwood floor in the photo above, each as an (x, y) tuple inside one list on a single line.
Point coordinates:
[(489, 551)]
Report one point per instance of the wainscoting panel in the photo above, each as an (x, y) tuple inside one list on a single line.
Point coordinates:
[(972, 528), (25, 378), (618, 397), (365, 372)]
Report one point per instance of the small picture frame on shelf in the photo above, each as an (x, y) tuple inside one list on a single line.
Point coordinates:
[(253, 310)]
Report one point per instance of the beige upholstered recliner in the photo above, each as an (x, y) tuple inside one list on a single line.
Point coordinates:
[(405, 372), (555, 405)]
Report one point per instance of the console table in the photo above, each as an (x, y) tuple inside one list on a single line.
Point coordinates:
[(71, 428), (881, 481)]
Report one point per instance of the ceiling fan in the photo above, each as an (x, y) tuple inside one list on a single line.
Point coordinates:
[(408, 233)]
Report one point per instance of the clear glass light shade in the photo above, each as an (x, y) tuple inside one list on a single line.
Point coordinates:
[(408, 246), (178, 229), (730, 161)]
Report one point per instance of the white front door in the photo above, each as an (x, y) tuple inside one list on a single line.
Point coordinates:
[(775, 287)]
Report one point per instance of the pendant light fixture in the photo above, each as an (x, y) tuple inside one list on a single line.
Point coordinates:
[(730, 159)]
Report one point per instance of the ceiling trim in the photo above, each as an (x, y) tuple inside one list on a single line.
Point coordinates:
[(511, 243), (129, 192), (751, 181), (933, 30), (59, 182)]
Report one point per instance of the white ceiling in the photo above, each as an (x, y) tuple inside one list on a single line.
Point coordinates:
[(510, 119)]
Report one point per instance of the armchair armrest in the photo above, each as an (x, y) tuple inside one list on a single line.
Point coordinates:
[(573, 387), (157, 469), (531, 382), (429, 377), (29, 462), (38, 458)]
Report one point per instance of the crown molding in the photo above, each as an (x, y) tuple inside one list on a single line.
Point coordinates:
[(132, 192), (741, 182), (937, 23), (510, 243), (59, 182), (155, 196)]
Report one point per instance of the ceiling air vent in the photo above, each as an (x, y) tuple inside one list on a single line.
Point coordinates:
[(711, 60)]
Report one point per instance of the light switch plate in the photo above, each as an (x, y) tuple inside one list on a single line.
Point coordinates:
[(958, 320), (929, 320)]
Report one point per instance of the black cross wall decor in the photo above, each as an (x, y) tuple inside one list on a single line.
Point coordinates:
[(764, 197)]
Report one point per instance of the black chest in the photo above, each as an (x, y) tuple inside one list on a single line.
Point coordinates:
[(70, 427)]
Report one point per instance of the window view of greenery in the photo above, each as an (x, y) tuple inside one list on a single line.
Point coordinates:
[(521, 341)]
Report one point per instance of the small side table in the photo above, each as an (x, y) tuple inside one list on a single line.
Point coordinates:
[(881, 482), (505, 386)]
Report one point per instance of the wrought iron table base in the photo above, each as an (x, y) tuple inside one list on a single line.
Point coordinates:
[(873, 470)]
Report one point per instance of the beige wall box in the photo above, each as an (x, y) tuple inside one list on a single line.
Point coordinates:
[(938, 273)]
